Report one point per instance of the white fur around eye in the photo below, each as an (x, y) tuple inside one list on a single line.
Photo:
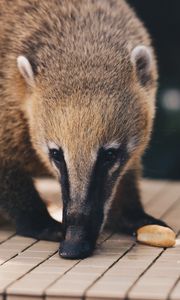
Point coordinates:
[(113, 145), (113, 169), (25, 69), (53, 145)]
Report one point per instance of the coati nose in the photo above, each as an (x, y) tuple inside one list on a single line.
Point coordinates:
[(76, 244), (75, 249)]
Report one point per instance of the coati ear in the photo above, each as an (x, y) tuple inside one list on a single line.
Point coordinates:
[(142, 59), (25, 69)]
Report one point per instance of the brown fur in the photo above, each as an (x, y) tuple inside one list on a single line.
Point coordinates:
[(90, 63), (86, 93)]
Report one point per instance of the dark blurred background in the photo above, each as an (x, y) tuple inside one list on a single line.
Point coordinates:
[(162, 18)]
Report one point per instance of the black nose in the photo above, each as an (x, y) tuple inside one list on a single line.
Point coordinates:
[(75, 249)]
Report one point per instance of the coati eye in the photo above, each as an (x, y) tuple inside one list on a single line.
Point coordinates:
[(56, 155), (110, 155)]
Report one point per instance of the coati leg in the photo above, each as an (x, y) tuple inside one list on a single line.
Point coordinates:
[(127, 213), (22, 203)]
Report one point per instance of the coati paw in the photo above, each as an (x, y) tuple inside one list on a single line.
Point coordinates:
[(156, 235), (48, 233)]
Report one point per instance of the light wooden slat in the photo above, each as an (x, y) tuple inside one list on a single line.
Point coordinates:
[(74, 284), (167, 266), (150, 188), (172, 217), (5, 234), (64, 298), (158, 281), (164, 200), (49, 190), (41, 277), (13, 246), (24, 262), (19, 297), (55, 267), (175, 295), (117, 280)]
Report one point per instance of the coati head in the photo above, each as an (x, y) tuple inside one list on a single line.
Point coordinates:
[(90, 121)]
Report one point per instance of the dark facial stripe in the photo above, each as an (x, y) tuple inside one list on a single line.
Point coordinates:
[(99, 190)]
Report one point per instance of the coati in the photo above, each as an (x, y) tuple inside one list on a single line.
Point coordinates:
[(78, 81)]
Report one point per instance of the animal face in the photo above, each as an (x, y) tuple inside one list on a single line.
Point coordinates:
[(89, 138)]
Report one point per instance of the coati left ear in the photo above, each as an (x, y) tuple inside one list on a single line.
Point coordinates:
[(142, 59), (25, 69)]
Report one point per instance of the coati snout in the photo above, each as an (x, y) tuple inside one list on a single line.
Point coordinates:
[(84, 205), (77, 90)]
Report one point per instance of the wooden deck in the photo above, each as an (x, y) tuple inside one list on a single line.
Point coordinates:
[(119, 269)]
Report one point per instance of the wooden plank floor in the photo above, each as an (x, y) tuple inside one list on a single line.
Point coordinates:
[(119, 269)]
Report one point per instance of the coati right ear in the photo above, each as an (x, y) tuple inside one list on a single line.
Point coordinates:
[(25, 69), (142, 59)]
